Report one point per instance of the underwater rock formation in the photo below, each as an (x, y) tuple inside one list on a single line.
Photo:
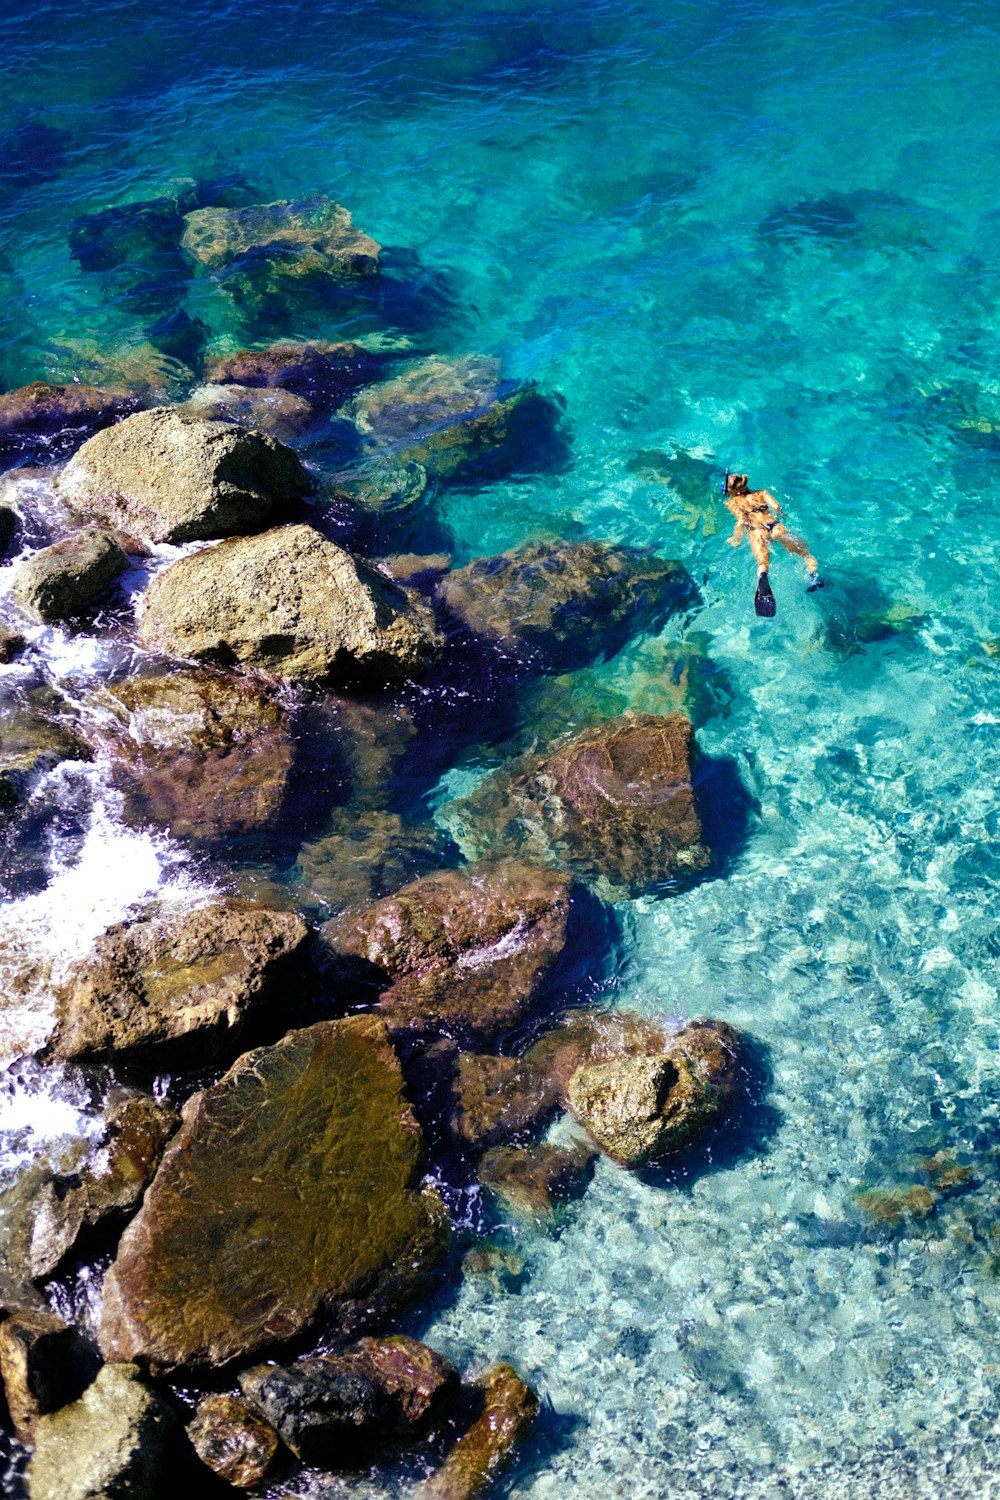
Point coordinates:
[(292, 604), (166, 477), (57, 418), (292, 1189), (366, 854), (295, 238), (536, 1180), (493, 1099), (323, 374), (60, 581), (277, 413), (34, 737)]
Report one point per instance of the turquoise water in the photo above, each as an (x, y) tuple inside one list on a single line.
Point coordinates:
[(764, 235)]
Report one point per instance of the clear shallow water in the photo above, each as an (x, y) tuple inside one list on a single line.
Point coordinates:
[(765, 235)]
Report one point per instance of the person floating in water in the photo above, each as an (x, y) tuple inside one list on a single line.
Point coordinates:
[(758, 514)]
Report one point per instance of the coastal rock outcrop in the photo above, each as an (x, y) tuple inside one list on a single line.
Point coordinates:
[(57, 418), (60, 581), (292, 1188), (186, 981), (291, 604), (494, 1099), (167, 477), (556, 606), (615, 806), (464, 952), (110, 1442)]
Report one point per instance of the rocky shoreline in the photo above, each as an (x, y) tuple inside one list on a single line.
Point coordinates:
[(302, 664)]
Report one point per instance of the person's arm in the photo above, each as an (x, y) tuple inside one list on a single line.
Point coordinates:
[(770, 501), (738, 530)]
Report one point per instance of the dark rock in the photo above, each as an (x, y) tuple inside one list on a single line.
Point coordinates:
[(58, 417), (9, 523), (292, 604), (278, 413), (60, 581), (110, 1443), (128, 235), (615, 806), (535, 1180), (232, 1440), (292, 1189), (37, 1352), (496, 1098), (322, 374), (464, 952), (381, 488), (295, 239), (11, 645), (206, 754), (642, 1108), (482, 1452), (166, 477), (33, 739), (559, 605), (185, 982)]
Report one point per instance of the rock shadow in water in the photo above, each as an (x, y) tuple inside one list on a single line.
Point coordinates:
[(728, 812)]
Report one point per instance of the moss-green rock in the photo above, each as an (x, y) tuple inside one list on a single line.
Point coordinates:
[(108, 1444), (291, 1190)]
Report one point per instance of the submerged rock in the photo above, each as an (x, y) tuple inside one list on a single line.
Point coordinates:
[(292, 1189), (187, 980), (559, 605), (444, 414), (292, 604), (58, 417), (365, 855), (37, 1354), (320, 373), (280, 414), (644, 1107), (535, 1180), (109, 1443), (464, 952), (615, 806), (233, 1441), (167, 477), (296, 238), (496, 1098), (206, 754), (60, 581), (480, 1455)]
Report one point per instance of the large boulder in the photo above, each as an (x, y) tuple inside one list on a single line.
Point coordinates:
[(559, 605), (292, 604), (484, 1450), (60, 581), (206, 754), (615, 806), (295, 238), (322, 374), (293, 1189), (109, 1443), (184, 982), (647, 1106), (56, 418), (464, 952), (167, 477), (445, 414)]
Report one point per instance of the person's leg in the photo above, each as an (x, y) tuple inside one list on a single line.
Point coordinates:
[(792, 543), (763, 601), (760, 549)]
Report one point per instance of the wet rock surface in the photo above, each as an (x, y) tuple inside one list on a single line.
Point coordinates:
[(233, 1441), (483, 1452), (322, 374), (365, 855), (536, 1180), (615, 806), (496, 1098), (34, 737), (297, 237), (463, 953), (181, 981), (60, 581), (292, 604), (278, 413), (167, 477), (57, 418), (109, 1443), (558, 605), (292, 1188), (37, 1355)]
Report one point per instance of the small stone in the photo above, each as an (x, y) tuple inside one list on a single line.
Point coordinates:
[(233, 1441), (109, 1443), (481, 1453), (60, 581), (505, 1270), (11, 645)]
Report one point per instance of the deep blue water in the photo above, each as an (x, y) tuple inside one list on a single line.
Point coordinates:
[(764, 235)]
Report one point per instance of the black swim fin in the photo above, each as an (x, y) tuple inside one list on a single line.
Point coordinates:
[(815, 582), (763, 600)]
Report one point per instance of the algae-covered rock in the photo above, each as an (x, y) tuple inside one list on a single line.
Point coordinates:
[(60, 581), (108, 1444), (321, 373), (536, 1180), (464, 952), (167, 477), (233, 1441), (296, 238), (206, 754), (481, 1454), (615, 806), (278, 413), (292, 604), (185, 981), (558, 605), (37, 1354), (291, 1190), (57, 418), (644, 1107)]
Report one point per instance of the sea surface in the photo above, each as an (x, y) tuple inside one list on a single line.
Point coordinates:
[(767, 236)]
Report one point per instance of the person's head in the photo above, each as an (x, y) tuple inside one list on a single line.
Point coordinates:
[(736, 484)]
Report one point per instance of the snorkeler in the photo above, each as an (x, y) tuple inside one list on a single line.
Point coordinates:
[(757, 512)]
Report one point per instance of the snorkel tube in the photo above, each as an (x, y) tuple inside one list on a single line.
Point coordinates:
[(725, 484)]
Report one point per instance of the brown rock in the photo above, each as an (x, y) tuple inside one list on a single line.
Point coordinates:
[(323, 374), (59, 582), (482, 1453), (292, 1189), (496, 1098), (58, 416), (189, 978), (233, 1441), (418, 1378), (295, 238), (37, 1350), (365, 855), (464, 952), (615, 806), (535, 1180)]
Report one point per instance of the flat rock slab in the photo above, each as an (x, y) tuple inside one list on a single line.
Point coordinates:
[(307, 235), (191, 978), (59, 582), (109, 1443), (615, 806), (164, 476), (463, 953), (293, 605), (292, 1190)]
